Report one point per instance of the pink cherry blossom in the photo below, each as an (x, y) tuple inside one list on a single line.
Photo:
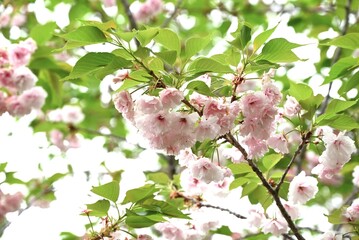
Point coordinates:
[(185, 157), (171, 97), (2, 103), (198, 100), (257, 148), (330, 236), (123, 103), (291, 107), (256, 215), (272, 92), (191, 185), (72, 114), (57, 139), (4, 57), (18, 19), (276, 226), (121, 75), (170, 231), (23, 79), (208, 128), (6, 77), (206, 171), (148, 104), (20, 54), (33, 97), (109, 3), (292, 209), (252, 104), (302, 188), (352, 212), (278, 143), (234, 154), (16, 108), (338, 150)]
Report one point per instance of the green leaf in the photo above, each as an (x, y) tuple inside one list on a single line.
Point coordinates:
[(69, 236), (340, 122), (195, 44), (239, 168), (208, 65), (248, 188), (109, 190), (162, 207), (238, 182), (279, 50), (126, 36), (260, 194), (93, 62), (167, 56), (336, 217), (300, 91), (128, 83), (341, 68), (137, 221), (242, 35), (283, 191), (353, 82), (137, 194), (337, 105), (311, 104), (269, 161), (154, 64), (159, 177), (169, 40), (85, 35), (43, 33), (99, 208), (200, 87), (261, 38), (146, 36), (100, 25), (3, 166), (348, 41)]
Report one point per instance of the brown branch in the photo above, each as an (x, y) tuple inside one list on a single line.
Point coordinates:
[(173, 15), (305, 138), (222, 209), (337, 53), (265, 183), (131, 19)]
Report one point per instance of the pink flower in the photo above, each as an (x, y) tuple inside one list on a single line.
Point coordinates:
[(191, 185), (257, 148), (6, 77), (279, 143), (170, 231), (18, 19), (57, 138), (123, 102), (4, 57), (256, 215), (198, 100), (252, 104), (33, 97), (234, 154), (302, 188), (338, 150), (20, 54), (352, 212), (171, 97), (292, 209), (148, 104), (291, 107), (144, 237), (121, 75), (72, 114), (23, 79), (2, 103), (109, 3), (16, 108), (155, 124), (207, 128), (330, 236), (272, 92), (206, 171), (276, 226), (356, 176), (185, 157)]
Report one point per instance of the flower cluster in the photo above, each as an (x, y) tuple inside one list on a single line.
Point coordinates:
[(143, 12), (9, 203), (10, 18), (165, 128), (19, 95), (68, 114)]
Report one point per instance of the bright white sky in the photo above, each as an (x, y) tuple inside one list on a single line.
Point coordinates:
[(24, 151)]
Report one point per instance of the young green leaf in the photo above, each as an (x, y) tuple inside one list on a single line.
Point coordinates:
[(300, 91), (269, 161), (239, 168), (261, 38), (162, 207), (200, 87), (238, 182), (109, 190), (167, 56), (279, 50), (348, 41), (341, 68), (196, 44), (99, 208), (208, 65), (43, 33), (137, 194), (85, 35), (145, 36), (336, 106), (248, 188), (169, 40), (340, 122), (159, 177), (135, 220)]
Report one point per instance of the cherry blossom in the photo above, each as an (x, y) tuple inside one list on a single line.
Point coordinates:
[(291, 107), (302, 188)]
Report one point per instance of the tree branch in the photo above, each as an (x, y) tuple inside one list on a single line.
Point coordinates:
[(222, 209), (173, 15), (131, 19), (265, 183), (337, 54), (305, 138)]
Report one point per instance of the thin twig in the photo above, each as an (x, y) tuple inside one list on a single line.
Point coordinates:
[(305, 138), (173, 15), (222, 209), (131, 19), (337, 54)]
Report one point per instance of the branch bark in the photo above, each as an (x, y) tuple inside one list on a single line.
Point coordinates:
[(131, 19), (265, 183)]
